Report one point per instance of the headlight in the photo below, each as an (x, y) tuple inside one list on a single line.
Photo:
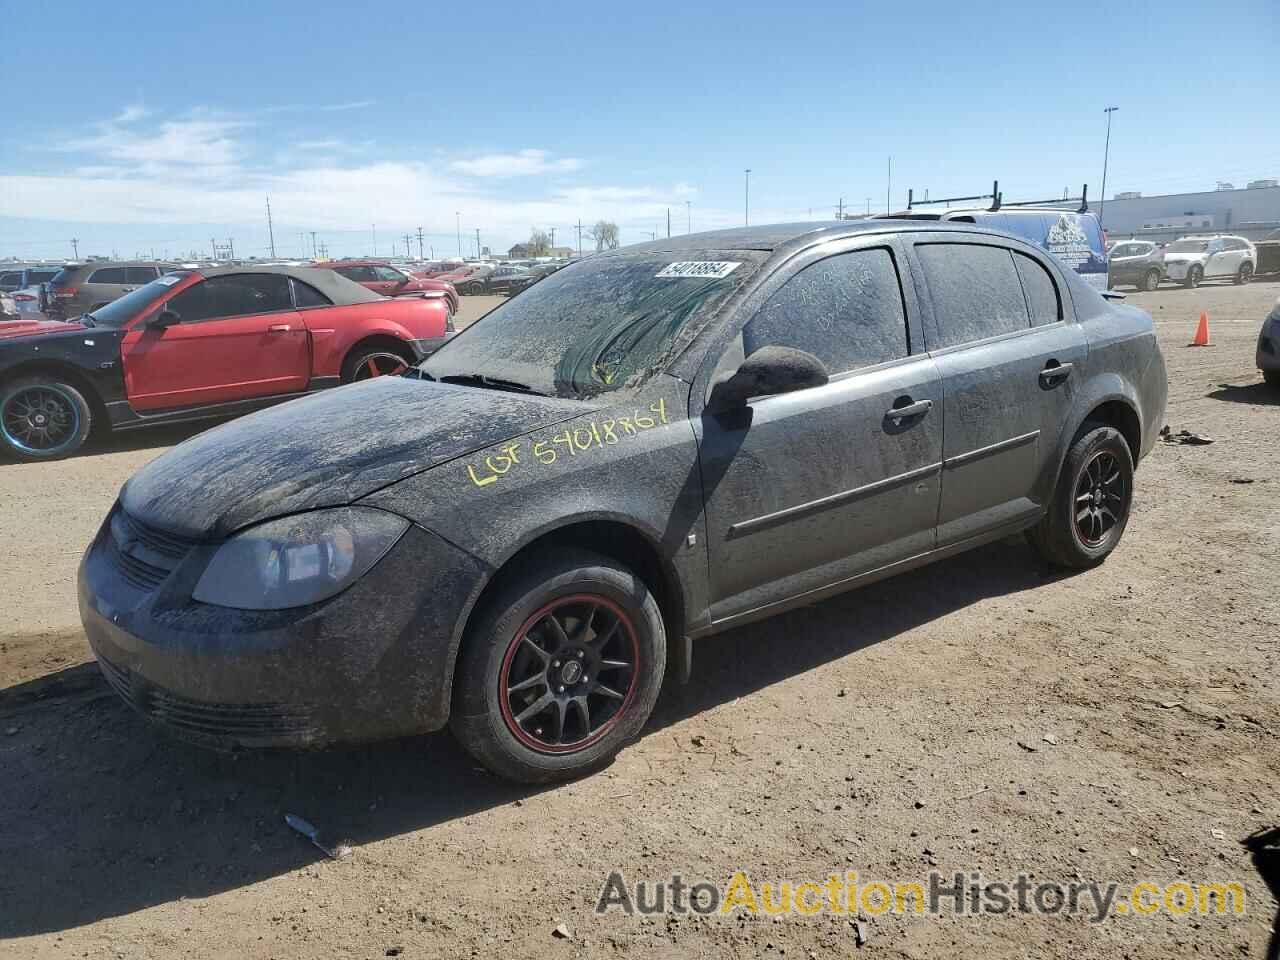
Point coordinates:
[(298, 560)]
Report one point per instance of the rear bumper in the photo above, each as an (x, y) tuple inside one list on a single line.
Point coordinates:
[(372, 662)]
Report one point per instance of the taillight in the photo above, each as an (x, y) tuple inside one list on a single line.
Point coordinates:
[(23, 297), (65, 291)]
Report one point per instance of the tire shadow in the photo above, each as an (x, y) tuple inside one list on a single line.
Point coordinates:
[(1260, 394), (102, 815)]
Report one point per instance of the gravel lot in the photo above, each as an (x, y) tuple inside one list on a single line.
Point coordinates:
[(982, 714)]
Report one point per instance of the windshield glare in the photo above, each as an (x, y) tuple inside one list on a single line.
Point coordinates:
[(605, 324), (119, 312), (1188, 246)]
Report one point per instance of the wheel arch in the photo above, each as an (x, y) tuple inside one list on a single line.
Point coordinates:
[(72, 375), (610, 536)]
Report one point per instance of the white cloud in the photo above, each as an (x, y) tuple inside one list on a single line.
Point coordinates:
[(524, 163)]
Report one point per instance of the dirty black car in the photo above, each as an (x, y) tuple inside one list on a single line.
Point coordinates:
[(647, 448)]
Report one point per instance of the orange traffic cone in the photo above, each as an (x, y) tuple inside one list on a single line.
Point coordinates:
[(1202, 332)]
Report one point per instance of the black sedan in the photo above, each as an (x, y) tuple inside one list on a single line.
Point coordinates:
[(645, 449)]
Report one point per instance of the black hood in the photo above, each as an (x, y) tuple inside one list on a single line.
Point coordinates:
[(324, 451)]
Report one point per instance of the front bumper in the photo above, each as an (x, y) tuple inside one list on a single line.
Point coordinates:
[(373, 662), (428, 345)]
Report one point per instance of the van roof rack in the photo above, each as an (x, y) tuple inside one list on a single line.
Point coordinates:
[(997, 200)]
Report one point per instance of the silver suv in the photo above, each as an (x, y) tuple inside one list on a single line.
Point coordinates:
[(1193, 259)]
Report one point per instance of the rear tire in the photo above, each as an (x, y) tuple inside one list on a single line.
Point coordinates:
[(1193, 278), (1090, 507), (1150, 280), (365, 363), (609, 652), (1244, 274), (42, 418)]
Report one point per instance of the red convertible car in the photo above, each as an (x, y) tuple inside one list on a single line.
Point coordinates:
[(202, 343), (392, 281)]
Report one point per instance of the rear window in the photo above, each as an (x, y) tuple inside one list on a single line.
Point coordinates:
[(41, 276), (140, 274), (976, 292), (64, 277)]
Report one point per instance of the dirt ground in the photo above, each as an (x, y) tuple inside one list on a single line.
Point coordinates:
[(981, 715)]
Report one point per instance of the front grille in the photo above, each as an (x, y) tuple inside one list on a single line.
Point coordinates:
[(143, 554), (247, 724)]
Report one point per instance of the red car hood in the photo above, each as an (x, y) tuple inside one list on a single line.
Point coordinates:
[(35, 328)]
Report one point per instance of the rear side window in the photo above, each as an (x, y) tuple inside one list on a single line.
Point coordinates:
[(305, 295), (140, 274), (976, 292), (846, 310), (109, 275), (1041, 292), (237, 295)]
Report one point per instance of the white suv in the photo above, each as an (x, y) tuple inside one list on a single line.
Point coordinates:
[(1193, 259)]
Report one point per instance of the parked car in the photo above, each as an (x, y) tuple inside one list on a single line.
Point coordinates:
[(433, 269), (27, 301), (21, 277), (1268, 356), (391, 281), (502, 280), (655, 444), (465, 279), (201, 343), (1073, 236), (1139, 263), (1268, 251), (84, 287), (1194, 259)]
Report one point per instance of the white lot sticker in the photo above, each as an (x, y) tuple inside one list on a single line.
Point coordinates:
[(711, 269), (168, 281)]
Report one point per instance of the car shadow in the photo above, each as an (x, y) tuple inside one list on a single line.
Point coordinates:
[(1259, 394), (1264, 848), (102, 815)]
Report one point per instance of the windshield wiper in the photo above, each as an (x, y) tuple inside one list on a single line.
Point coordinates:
[(489, 383)]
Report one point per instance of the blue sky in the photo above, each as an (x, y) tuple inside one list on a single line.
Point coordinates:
[(142, 126)]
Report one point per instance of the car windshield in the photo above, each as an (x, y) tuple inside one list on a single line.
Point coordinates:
[(1188, 246), (602, 325), (119, 312)]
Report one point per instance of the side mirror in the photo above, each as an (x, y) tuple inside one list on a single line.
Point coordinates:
[(768, 371), (165, 318)]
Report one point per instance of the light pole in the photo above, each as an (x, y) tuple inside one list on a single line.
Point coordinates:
[(688, 213), (458, 215), (746, 199), (1106, 153)]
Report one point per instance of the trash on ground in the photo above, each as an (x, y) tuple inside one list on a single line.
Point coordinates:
[(1184, 436), (334, 852)]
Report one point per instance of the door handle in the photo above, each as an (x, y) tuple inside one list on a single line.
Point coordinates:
[(278, 328), (912, 408), (1055, 373)]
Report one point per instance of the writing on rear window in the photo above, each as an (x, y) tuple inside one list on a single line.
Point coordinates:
[(712, 269)]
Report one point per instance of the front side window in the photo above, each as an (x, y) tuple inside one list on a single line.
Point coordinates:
[(975, 290), (360, 274), (236, 295), (110, 275), (390, 274), (846, 310)]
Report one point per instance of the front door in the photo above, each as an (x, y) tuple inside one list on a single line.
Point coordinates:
[(239, 337), (1009, 361), (388, 281), (808, 489)]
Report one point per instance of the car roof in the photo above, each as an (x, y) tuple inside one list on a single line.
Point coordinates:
[(333, 285), (776, 237)]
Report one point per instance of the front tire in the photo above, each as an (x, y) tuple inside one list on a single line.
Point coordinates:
[(369, 362), (560, 669), (1193, 278), (1091, 502), (42, 419)]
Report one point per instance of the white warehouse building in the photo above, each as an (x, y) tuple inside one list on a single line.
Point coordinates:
[(1253, 212)]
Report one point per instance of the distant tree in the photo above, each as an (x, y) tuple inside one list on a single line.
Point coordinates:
[(539, 243), (605, 235)]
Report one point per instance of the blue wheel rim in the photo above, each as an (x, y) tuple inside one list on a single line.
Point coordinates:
[(41, 420)]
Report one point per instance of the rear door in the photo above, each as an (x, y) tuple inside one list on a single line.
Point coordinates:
[(239, 338), (1009, 357), (810, 488)]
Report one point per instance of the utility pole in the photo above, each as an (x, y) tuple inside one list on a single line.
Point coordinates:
[(458, 216), (313, 244), (374, 228), (553, 238), (271, 234), (868, 206), (75, 249), (1106, 153), (477, 243), (408, 255), (888, 190), (231, 246), (668, 223), (579, 236), (420, 257), (746, 199), (213, 245), (688, 215), (840, 209)]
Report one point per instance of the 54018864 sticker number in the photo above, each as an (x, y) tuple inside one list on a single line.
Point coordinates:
[(570, 442)]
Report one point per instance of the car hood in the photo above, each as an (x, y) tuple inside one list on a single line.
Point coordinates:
[(326, 450), (36, 328)]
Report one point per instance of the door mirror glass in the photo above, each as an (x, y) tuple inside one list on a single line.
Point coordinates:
[(165, 318), (769, 371)]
